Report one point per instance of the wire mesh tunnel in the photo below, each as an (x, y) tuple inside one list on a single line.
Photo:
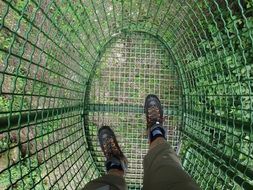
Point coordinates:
[(69, 67)]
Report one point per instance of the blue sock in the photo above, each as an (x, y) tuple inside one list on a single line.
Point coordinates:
[(156, 132), (113, 163)]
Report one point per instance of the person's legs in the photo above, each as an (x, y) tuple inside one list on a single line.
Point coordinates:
[(114, 180), (162, 167), (116, 163)]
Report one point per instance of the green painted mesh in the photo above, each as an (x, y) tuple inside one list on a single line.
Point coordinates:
[(69, 66)]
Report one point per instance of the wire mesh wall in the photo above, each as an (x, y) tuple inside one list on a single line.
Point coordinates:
[(133, 66), (53, 53)]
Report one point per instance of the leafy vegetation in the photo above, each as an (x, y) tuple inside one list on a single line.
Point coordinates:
[(212, 44), (220, 87)]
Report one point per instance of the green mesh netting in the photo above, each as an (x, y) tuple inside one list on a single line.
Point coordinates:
[(68, 67)]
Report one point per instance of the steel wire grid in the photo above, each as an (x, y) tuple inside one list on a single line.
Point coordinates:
[(47, 54), (133, 66)]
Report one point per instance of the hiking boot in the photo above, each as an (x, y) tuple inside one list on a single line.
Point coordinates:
[(115, 159), (154, 115)]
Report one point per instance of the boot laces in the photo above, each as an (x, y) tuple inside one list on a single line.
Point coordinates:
[(110, 148), (154, 115)]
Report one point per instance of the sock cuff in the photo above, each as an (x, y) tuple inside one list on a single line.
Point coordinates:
[(156, 132), (113, 163)]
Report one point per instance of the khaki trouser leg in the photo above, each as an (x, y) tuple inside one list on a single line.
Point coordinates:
[(107, 182), (162, 170)]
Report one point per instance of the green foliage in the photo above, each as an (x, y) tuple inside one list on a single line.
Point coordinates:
[(5, 41), (3, 144), (27, 182), (217, 63), (4, 104), (224, 67), (219, 75)]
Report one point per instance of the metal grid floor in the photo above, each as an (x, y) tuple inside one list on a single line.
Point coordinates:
[(132, 67)]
